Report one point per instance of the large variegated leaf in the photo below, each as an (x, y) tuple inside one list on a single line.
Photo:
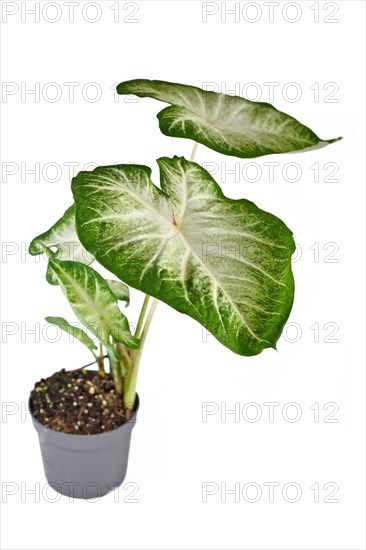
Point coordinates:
[(224, 262), (76, 332), (228, 124), (62, 237), (93, 302)]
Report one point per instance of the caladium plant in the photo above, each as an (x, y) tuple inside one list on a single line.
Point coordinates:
[(226, 263)]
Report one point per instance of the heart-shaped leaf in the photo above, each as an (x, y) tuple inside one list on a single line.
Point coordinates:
[(62, 237), (93, 303), (228, 124), (224, 262), (76, 332)]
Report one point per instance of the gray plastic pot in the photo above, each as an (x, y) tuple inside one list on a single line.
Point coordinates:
[(85, 466)]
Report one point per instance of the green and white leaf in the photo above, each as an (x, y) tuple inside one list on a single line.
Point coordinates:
[(224, 262), (228, 124), (62, 236), (93, 303), (75, 332), (120, 290)]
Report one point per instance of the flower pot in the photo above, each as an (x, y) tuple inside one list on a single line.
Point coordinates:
[(85, 466)]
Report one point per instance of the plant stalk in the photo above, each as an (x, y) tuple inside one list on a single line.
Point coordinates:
[(142, 316), (100, 361), (117, 376), (130, 386), (193, 154), (124, 355)]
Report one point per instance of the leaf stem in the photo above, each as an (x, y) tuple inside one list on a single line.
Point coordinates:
[(100, 361), (117, 375), (193, 154), (142, 316), (124, 355), (130, 386)]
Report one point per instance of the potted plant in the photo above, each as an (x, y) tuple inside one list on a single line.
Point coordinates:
[(225, 263)]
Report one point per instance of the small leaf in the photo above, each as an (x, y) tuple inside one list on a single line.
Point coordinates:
[(62, 236), (93, 302), (120, 290), (228, 124), (224, 262), (74, 331)]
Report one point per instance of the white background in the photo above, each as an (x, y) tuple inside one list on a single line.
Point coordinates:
[(173, 451)]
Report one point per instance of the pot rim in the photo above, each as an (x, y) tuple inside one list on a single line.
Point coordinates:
[(40, 426)]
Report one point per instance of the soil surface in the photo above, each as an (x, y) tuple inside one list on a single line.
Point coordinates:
[(78, 402)]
